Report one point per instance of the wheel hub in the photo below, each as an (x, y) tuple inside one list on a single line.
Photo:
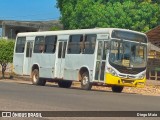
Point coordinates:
[(85, 80)]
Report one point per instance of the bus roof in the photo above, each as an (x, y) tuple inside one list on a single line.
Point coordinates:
[(76, 31)]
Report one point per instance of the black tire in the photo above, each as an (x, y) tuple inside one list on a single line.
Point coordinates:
[(85, 82), (117, 89), (64, 84), (36, 80)]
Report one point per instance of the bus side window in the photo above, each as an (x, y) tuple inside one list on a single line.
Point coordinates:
[(50, 44), (20, 45), (90, 42), (39, 45), (74, 45)]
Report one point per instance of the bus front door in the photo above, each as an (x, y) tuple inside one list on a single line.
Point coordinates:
[(60, 62), (101, 61), (27, 58)]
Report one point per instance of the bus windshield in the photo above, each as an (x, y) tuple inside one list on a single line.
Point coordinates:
[(128, 35), (128, 54)]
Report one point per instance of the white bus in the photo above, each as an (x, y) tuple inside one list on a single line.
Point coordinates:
[(104, 56)]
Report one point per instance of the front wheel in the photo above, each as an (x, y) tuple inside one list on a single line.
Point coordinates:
[(35, 78), (85, 82), (117, 89)]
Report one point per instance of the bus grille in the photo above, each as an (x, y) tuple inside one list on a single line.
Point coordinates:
[(126, 70), (127, 81), (127, 76)]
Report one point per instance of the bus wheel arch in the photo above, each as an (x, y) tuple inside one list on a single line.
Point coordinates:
[(35, 66), (36, 80), (84, 78)]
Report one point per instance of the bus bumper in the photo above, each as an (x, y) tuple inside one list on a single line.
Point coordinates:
[(114, 80)]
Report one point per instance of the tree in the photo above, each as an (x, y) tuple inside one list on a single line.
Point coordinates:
[(55, 28), (6, 53), (77, 14), (141, 17)]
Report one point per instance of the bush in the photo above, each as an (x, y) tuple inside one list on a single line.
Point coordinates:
[(6, 53)]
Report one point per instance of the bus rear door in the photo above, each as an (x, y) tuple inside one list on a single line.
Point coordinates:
[(60, 57), (28, 56), (18, 58)]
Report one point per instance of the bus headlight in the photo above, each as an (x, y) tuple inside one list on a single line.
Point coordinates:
[(113, 72), (142, 76)]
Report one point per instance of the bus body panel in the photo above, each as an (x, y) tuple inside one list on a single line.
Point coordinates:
[(78, 61), (46, 66), (18, 61)]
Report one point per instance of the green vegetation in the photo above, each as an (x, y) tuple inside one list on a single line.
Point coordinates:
[(6, 53), (139, 15), (55, 28)]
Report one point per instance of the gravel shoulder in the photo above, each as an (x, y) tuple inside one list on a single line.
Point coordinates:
[(152, 88)]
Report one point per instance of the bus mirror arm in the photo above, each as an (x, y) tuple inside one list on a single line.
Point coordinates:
[(108, 45)]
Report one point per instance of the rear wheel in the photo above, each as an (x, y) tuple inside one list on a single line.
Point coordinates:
[(85, 82), (117, 89), (64, 84), (35, 78)]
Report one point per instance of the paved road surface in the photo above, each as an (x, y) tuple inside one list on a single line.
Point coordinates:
[(27, 97)]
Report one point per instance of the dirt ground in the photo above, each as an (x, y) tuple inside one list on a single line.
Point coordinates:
[(151, 88)]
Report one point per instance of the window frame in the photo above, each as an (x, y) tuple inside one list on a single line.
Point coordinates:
[(40, 46), (90, 44), (53, 44), (75, 50)]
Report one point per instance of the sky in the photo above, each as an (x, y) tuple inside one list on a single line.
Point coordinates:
[(29, 10)]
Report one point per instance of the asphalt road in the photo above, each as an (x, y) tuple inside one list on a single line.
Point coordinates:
[(26, 97)]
